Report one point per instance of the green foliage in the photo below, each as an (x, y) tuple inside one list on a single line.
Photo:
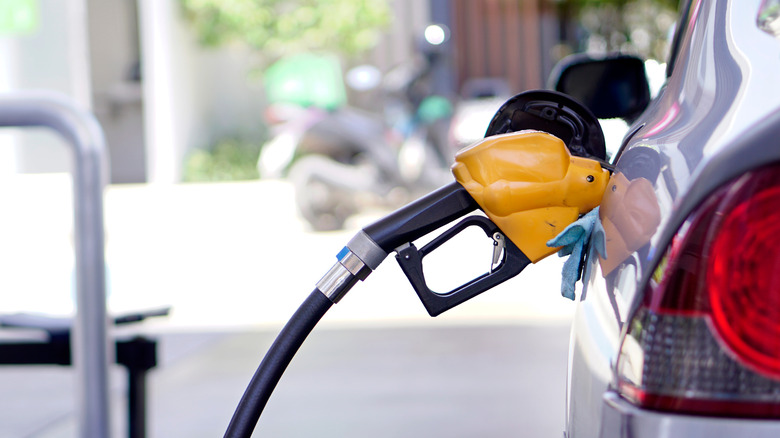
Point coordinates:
[(668, 4), (228, 160), (277, 27), (19, 17), (639, 26)]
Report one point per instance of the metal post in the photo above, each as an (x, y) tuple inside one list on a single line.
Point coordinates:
[(90, 341), (136, 401)]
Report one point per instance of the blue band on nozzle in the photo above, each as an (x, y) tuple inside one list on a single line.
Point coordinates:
[(344, 251), (572, 241)]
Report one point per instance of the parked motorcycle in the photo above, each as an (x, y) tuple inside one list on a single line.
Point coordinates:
[(356, 163), (343, 160)]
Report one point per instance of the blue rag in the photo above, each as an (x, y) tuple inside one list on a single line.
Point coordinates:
[(573, 240)]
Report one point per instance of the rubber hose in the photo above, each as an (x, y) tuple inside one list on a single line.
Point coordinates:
[(274, 363)]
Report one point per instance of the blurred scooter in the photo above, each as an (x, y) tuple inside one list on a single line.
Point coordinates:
[(480, 99), (355, 162), (343, 160)]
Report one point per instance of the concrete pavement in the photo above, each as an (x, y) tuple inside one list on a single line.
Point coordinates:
[(234, 261), (472, 381), (227, 255)]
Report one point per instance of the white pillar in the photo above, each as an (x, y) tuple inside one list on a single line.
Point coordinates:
[(156, 20), (8, 143), (78, 54)]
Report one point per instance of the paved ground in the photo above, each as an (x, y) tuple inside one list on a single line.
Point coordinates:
[(473, 381), (234, 261), (227, 255)]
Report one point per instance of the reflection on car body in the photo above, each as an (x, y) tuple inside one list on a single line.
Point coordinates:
[(677, 332), (629, 211)]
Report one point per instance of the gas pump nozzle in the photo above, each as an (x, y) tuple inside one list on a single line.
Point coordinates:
[(528, 185)]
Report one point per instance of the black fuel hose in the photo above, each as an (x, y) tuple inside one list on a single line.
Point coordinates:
[(275, 363), (362, 255)]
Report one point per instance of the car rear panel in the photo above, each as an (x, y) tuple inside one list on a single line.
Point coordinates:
[(717, 118), (621, 419)]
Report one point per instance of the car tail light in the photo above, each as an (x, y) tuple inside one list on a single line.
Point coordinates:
[(706, 337)]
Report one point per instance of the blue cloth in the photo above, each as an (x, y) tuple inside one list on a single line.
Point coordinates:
[(573, 240)]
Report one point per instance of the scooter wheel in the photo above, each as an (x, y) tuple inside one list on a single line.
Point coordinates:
[(324, 207)]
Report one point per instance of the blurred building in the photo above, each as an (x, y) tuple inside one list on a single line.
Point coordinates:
[(508, 39), (138, 67), (158, 94)]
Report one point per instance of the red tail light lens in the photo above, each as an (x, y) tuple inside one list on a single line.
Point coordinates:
[(743, 276), (706, 338)]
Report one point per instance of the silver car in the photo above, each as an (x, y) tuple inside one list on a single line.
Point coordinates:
[(677, 331)]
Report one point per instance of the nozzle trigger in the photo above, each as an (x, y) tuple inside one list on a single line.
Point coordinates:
[(507, 262), (498, 249)]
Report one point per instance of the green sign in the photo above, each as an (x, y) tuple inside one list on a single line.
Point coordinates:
[(18, 17), (306, 79)]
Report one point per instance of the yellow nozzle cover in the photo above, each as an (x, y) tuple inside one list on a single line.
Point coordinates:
[(530, 186)]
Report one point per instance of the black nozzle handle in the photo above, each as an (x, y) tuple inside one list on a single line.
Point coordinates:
[(411, 261), (420, 217)]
